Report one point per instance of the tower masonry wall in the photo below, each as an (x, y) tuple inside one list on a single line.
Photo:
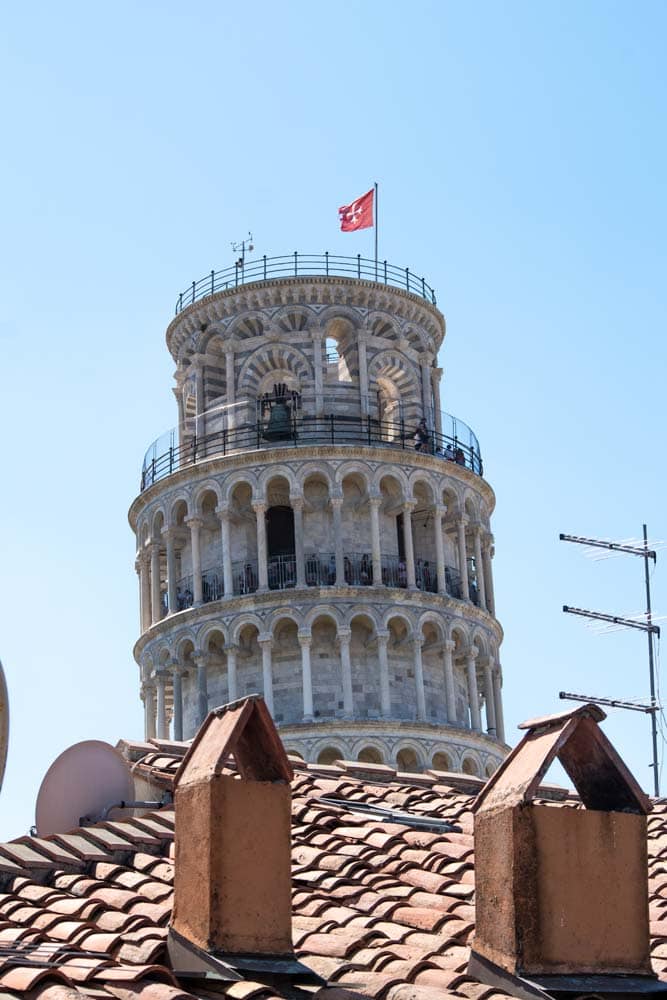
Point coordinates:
[(301, 534)]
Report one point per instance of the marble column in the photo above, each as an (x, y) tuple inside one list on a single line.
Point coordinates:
[(473, 693), (305, 640), (195, 524), (200, 406), (438, 514), (498, 703), (265, 641), (337, 507), (450, 692), (156, 607), (232, 681), (177, 686), (375, 503), (230, 386), (149, 710), (417, 643), (201, 660), (427, 398), (383, 662), (436, 375), (297, 508), (317, 365), (487, 548), (144, 590), (489, 696), (479, 569), (259, 508), (363, 374), (226, 540), (407, 543), (463, 558), (172, 599), (344, 636), (161, 684)]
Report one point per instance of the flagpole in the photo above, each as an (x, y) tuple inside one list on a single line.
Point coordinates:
[(376, 230)]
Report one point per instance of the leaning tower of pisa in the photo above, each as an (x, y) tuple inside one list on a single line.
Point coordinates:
[(301, 535)]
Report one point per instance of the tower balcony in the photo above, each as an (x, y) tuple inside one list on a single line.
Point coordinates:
[(451, 440), (300, 265)]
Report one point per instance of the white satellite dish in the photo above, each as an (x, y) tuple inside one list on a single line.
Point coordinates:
[(84, 780), (4, 723)]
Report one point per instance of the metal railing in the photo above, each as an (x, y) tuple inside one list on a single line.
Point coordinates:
[(305, 265), (166, 455), (244, 575), (320, 571)]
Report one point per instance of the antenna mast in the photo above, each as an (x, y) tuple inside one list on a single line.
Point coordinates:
[(645, 626)]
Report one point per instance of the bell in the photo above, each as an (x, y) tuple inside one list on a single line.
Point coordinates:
[(279, 426)]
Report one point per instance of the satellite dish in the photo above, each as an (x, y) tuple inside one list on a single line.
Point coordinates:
[(83, 781), (4, 723)]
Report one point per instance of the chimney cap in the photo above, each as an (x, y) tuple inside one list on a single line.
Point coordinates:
[(243, 729), (576, 740)]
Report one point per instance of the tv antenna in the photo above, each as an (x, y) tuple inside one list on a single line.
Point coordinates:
[(643, 622), (242, 246)]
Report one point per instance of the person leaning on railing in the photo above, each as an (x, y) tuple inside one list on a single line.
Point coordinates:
[(422, 436)]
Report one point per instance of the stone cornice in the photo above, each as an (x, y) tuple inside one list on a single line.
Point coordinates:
[(307, 597), (276, 292), (407, 458)]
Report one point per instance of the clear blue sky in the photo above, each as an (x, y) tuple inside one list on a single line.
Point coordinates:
[(520, 152)]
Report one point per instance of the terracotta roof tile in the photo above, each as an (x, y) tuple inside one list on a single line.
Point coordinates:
[(380, 907)]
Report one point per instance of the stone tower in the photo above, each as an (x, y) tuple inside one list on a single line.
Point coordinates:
[(295, 535)]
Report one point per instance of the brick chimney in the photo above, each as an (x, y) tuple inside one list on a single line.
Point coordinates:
[(560, 890), (232, 871)]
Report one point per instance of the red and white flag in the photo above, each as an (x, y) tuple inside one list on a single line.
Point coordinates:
[(358, 214)]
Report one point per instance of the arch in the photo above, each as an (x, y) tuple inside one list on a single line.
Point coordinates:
[(157, 523), (330, 754), (180, 641), (273, 357), (281, 615), (383, 325), (293, 318), (323, 611), (209, 630), (409, 758), (451, 500), (402, 616), (237, 479), (442, 761), (434, 619), (347, 469), (370, 754), (386, 477), (293, 752), (338, 311), (421, 488), (322, 473), (277, 472), (490, 768), (243, 622), (207, 486), (179, 509), (249, 324), (397, 368), (470, 765)]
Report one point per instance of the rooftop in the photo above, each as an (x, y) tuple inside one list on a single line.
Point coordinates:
[(383, 891)]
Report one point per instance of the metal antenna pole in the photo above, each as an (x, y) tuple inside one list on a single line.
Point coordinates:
[(651, 667), (644, 626)]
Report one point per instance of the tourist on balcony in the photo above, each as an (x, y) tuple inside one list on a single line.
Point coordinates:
[(365, 571), (459, 457), (331, 572), (449, 453), (422, 436)]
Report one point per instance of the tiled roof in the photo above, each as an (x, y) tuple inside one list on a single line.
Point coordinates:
[(383, 892)]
